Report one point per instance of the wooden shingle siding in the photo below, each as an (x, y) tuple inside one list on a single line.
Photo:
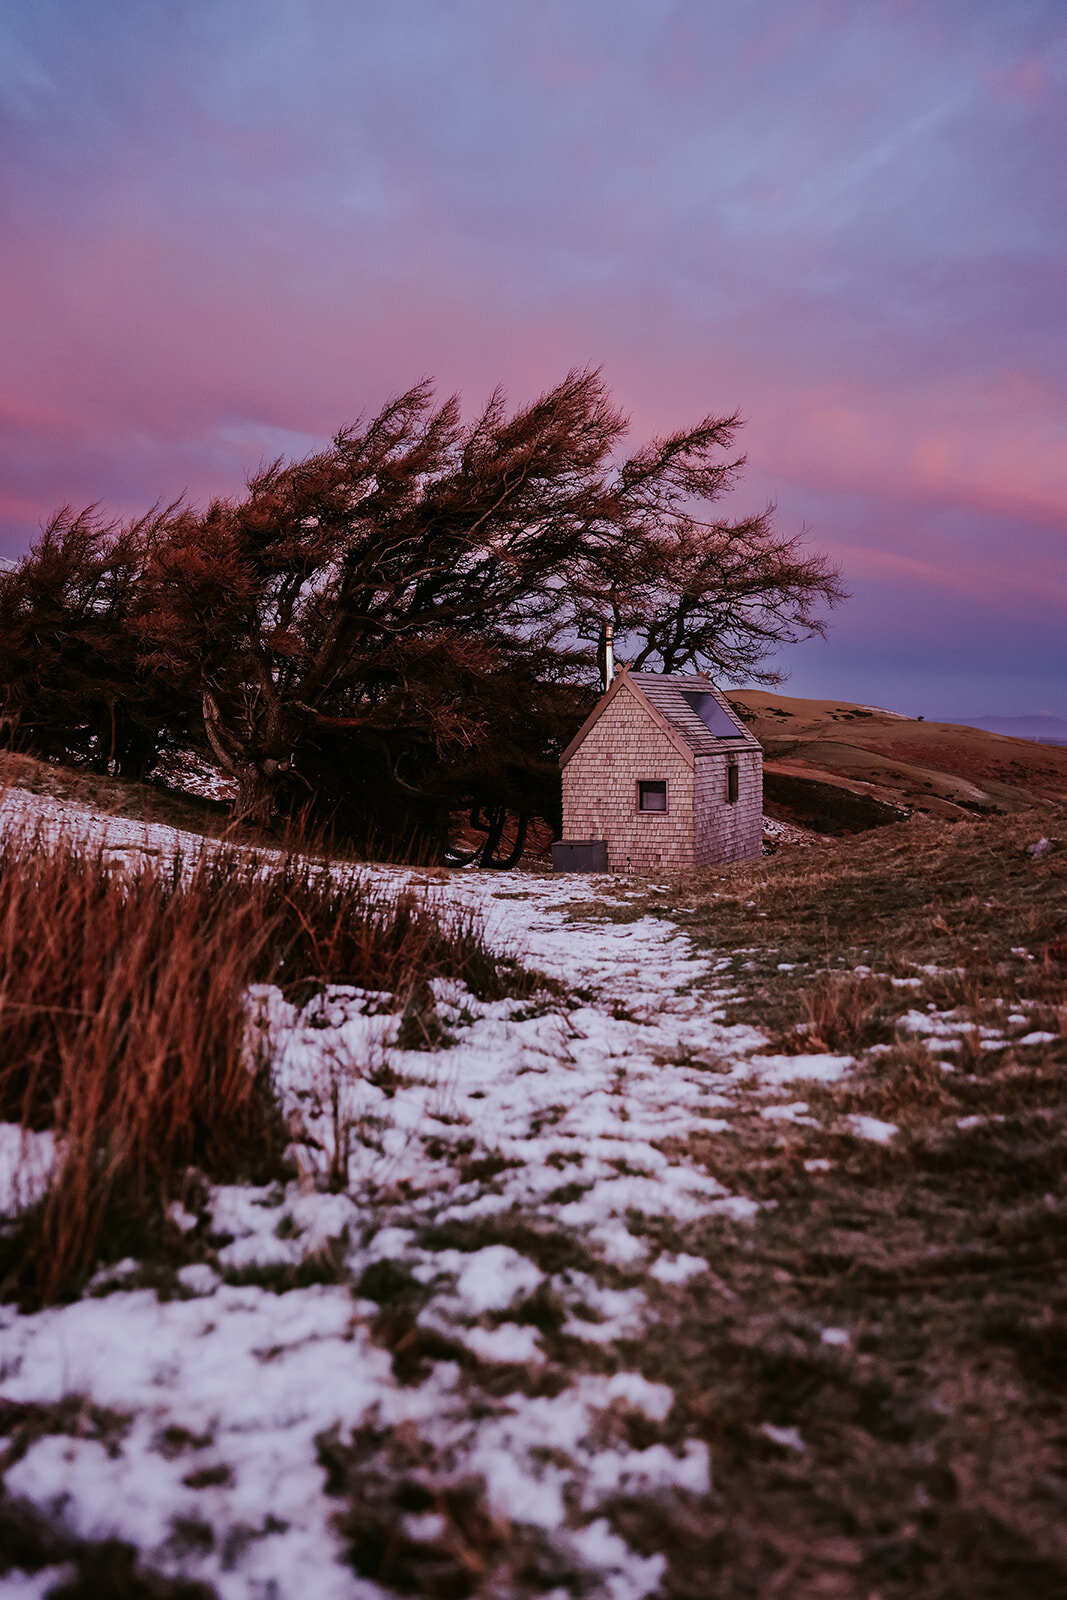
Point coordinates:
[(645, 730), (600, 791), (725, 831)]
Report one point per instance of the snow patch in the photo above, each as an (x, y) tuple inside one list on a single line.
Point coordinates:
[(26, 1163), (873, 1128)]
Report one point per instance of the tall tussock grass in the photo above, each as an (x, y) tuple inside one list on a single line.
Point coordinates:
[(843, 1012), (124, 1023)]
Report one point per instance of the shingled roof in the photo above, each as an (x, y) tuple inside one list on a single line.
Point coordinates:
[(665, 695)]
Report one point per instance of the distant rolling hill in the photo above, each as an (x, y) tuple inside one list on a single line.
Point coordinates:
[(839, 767), (1045, 729)]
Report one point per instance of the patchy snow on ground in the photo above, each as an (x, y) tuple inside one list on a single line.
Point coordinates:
[(777, 832), (186, 770), (495, 1193), (26, 1161), (123, 839), (873, 1128)]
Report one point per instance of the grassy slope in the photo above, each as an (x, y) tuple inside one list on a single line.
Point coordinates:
[(121, 797), (935, 1459), (158, 803), (935, 1439), (816, 750)]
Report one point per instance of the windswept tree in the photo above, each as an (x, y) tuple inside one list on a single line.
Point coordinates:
[(405, 622), (70, 677), (378, 595), (689, 592)]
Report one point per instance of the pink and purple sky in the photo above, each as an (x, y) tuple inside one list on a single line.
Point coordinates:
[(229, 226)]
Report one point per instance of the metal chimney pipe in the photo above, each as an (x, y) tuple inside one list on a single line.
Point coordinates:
[(607, 654)]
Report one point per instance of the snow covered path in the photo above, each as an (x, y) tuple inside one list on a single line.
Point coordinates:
[(454, 1321)]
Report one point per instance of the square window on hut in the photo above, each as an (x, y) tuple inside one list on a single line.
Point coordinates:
[(652, 795), (731, 784)]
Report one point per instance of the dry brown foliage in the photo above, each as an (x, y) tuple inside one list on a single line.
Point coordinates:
[(843, 1014)]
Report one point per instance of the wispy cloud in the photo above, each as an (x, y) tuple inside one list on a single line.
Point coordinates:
[(234, 222)]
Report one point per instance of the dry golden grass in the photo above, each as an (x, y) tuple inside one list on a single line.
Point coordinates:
[(841, 1013), (123, 1022), (934, 1431), (947, 903)]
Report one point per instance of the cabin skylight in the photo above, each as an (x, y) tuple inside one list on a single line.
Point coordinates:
[(711, 714)]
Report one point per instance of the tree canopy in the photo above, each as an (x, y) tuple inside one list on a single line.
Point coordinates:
[(405, 622)]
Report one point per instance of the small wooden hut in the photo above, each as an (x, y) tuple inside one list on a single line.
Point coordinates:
[(662, 775)]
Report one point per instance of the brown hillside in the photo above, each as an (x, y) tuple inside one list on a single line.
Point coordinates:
[(840, 767)]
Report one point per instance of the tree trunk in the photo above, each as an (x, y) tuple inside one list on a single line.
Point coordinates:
[(257, 781), (257, 788), (134, 751), (511, 859), (495, 816)]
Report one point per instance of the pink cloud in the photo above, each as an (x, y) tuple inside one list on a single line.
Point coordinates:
[(847, 221), (997, 449), (1028, 82), (976, 580)]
